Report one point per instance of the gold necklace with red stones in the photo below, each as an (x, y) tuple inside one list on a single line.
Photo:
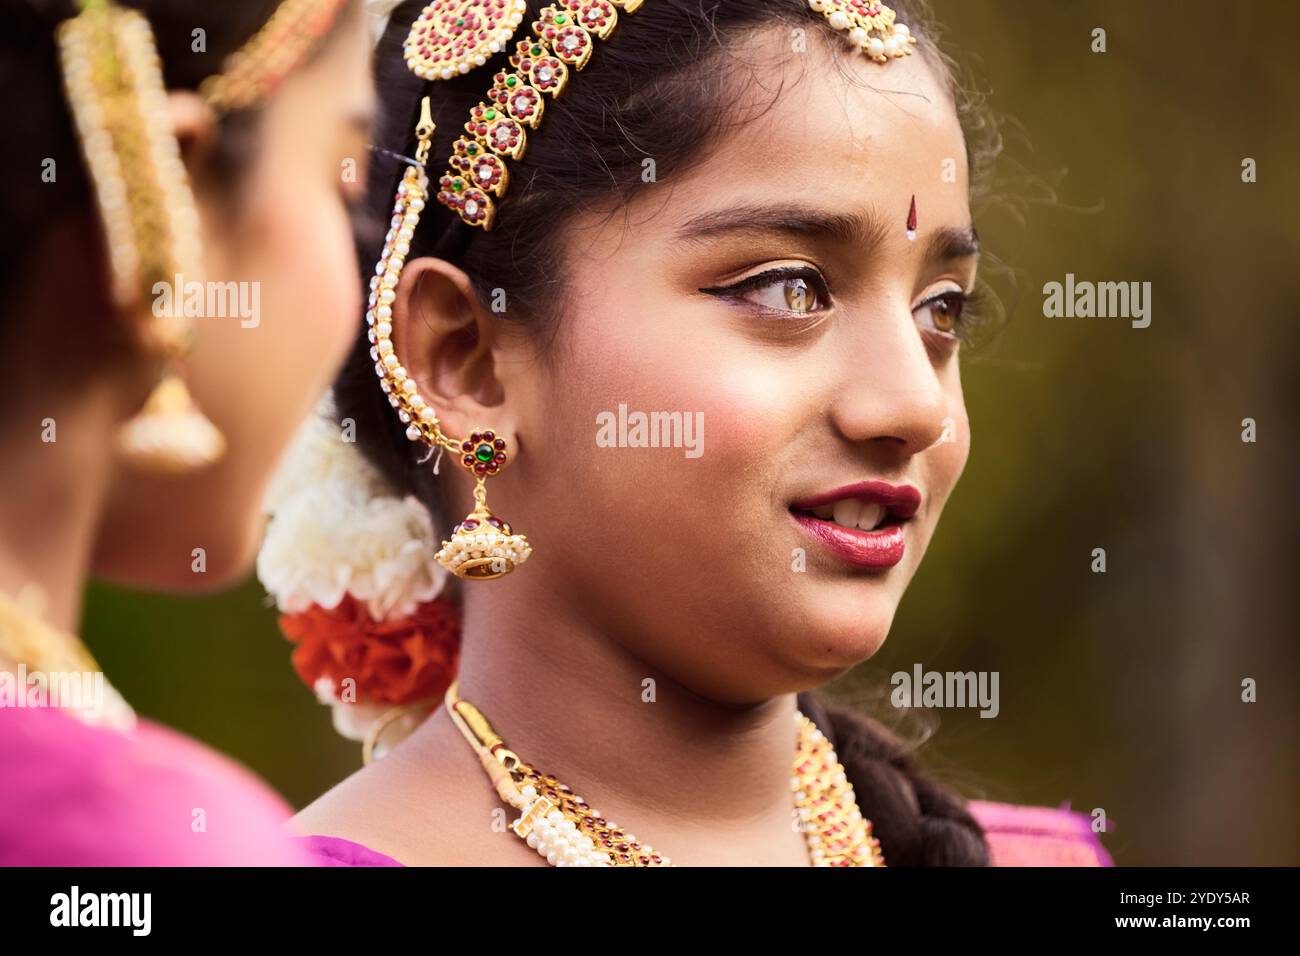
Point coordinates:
[(566, 831)]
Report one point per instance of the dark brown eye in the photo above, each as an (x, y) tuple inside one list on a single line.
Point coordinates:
[(943, 313)]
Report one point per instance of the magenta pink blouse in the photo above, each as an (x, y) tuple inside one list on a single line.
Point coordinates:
[(1016, 836), (76, 795), (1038, 836)]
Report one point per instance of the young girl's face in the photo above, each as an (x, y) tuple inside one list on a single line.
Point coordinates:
[(773, 296)]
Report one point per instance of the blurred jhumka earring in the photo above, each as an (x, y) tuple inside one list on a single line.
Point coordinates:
[(870, 26), (119, 104), (115, 90)]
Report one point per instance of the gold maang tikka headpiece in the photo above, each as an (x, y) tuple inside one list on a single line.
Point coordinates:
[(118, 101), (452, 37)]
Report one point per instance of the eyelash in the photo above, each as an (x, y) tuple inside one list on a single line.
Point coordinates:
[(962, 325)]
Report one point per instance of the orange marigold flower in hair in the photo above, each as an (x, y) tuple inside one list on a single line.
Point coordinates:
[(393, 662)]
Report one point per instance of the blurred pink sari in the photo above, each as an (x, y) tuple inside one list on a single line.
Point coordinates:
[(72, 794)]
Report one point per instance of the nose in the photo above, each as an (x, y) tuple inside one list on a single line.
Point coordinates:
[(891, 393)]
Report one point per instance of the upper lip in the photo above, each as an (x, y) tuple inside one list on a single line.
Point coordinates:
[(899, 501)]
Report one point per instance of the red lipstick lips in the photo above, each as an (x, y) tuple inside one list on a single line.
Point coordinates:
[(883, 544)]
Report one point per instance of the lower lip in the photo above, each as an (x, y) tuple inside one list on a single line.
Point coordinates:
[(866, 549)]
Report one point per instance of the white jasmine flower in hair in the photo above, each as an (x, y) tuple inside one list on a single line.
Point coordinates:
[(351, 719), (354, 721), (341, 546), (332, 539)]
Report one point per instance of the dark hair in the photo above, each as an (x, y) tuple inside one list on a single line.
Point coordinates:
[(919, 821), (38, 124), (658, 87)]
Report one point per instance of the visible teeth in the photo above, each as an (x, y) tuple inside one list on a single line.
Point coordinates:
[(870, 516), (846, 512), (851, 513)]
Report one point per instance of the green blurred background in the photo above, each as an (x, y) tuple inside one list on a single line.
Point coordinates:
[(1119, 690)]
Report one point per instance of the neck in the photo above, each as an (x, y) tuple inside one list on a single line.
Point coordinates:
[(54, 496), (571, 701), (71, 383)]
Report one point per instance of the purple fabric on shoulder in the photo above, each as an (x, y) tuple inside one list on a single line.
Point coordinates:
[(80, 795), (336, 851), (1038, 836)]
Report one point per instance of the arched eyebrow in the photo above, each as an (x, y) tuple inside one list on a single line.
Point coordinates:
[(947, 244), (862, 230), (787, 219)]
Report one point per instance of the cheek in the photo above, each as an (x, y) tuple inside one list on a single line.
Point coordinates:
[(260, 378), (741, 413), (946, 460), (747, 410), (299, 246), (304, 248), (677, 362)]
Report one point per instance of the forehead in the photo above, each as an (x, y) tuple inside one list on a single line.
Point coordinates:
[(826, 123)]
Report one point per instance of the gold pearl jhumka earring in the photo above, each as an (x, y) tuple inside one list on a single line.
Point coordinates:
[(482, 546), (451, 37)]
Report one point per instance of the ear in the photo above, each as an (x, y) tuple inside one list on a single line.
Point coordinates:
[(445, 339), (195, 128)]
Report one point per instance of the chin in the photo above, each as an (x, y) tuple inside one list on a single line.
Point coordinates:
[(165, 560), (843, 629)]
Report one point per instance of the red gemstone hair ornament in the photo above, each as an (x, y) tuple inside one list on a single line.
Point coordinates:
[(453, 36)]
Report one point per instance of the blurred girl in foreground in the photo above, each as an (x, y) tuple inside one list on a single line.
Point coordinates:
[(175, 290)]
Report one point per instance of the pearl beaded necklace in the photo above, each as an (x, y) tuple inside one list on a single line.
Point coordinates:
[(566, 831)]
